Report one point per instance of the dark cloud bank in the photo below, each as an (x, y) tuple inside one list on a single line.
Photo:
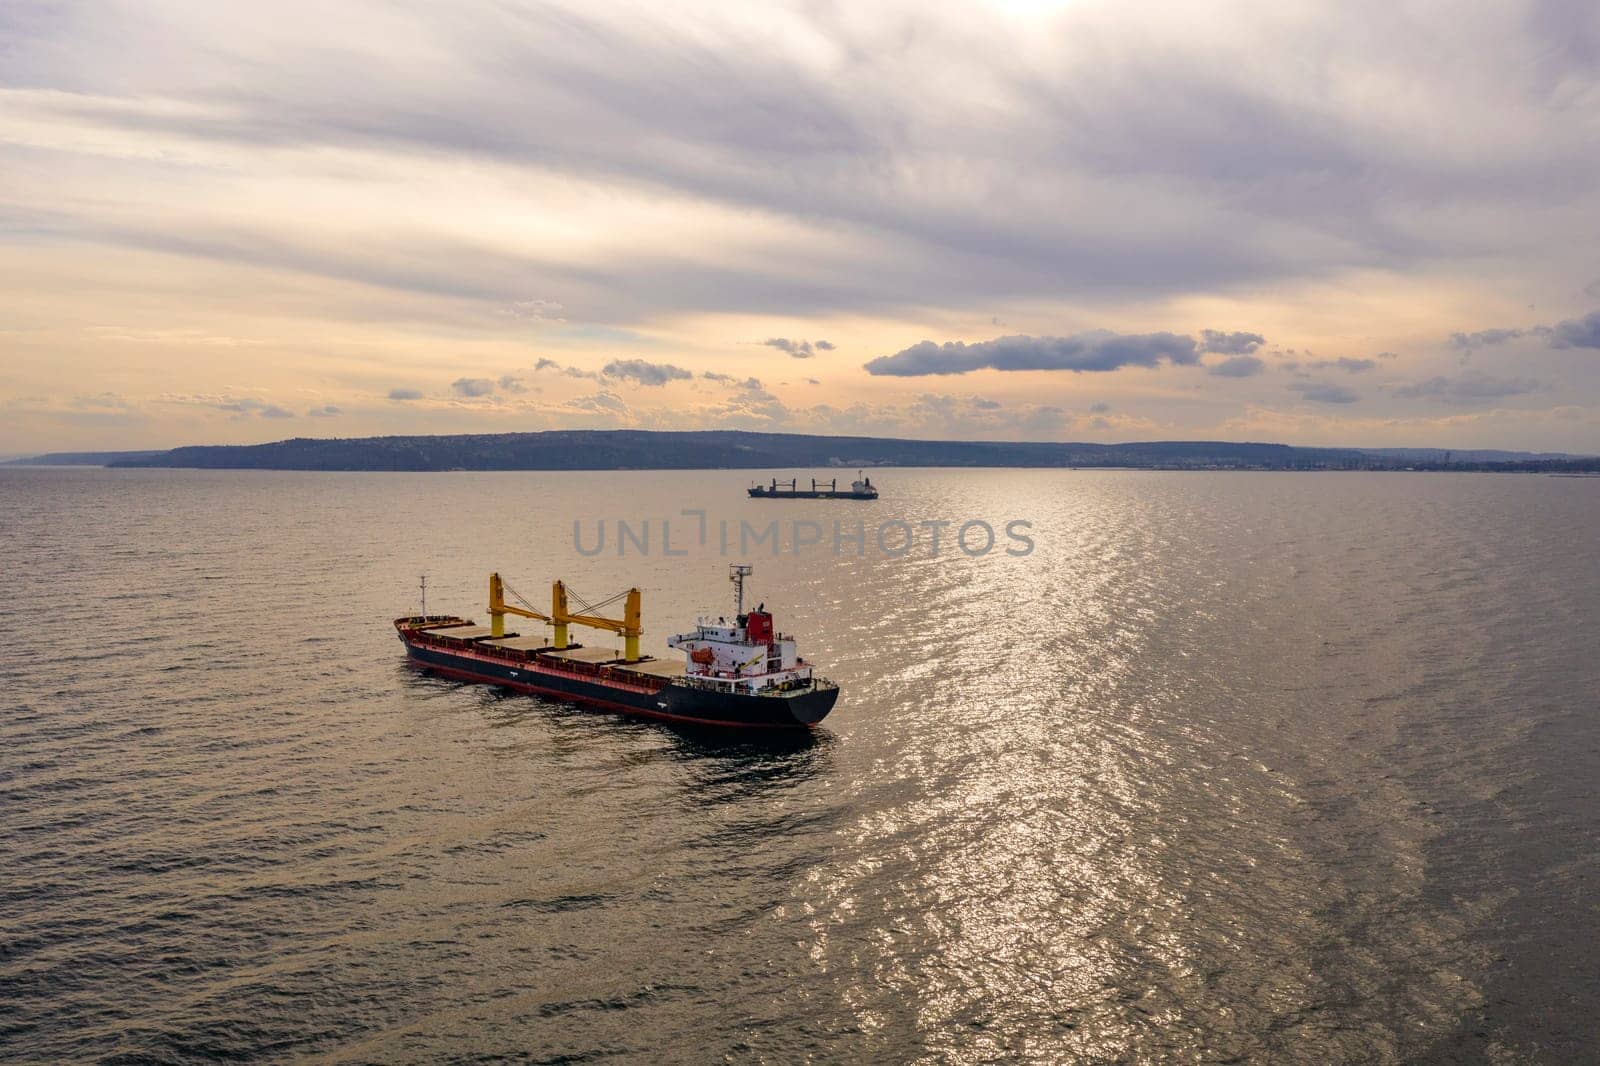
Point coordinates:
[(643, 372), (472, 386), (798, 349), (1324, 392), (1582, 332), (1244, 181), (1468, 388), (1096, 351)]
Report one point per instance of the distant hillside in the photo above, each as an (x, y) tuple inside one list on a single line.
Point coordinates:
[(83, 458), (731, 449), (1466, 455), (644, 450)]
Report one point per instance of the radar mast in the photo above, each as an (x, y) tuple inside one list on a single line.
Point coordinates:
[(737, 572)]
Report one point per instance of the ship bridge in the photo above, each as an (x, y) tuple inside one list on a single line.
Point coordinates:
[(746, 653)]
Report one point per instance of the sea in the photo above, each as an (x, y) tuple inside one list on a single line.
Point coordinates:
[(1180, 767)]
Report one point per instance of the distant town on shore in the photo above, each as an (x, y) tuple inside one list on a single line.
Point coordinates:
[(628, 449)]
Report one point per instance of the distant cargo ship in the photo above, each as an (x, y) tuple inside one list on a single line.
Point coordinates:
[(860, 489), (740, 673)]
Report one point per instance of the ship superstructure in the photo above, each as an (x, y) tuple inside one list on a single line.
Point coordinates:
[(745, 655), (739, 673)]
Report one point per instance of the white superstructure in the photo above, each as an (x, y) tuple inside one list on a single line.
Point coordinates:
[(747, 654)]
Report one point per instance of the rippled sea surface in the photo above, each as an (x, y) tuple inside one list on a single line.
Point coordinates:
[(1232, 767)]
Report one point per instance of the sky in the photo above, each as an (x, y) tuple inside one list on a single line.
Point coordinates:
[(1342, 222)]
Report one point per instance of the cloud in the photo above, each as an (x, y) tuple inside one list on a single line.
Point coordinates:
[(1345, 363), (1121, 167), (1043, 419), (512, 384), (325, 411), (1099, 408), (935, 415), (472, 386), (1324, 392), (534, 310), (105, 410), (239, 406), (1095, 351), (973, 416), (1577, 332), (748, 404), (605, 405), (1485, 337), (1581, 332), (546, 364), (1221, 343), (1467, 389), (812, 381), (750, 407), (402, 395), (748, 384), (1240, 366), (798, 349), (645, 373), (600, 401), (101, 401), (825, 346)]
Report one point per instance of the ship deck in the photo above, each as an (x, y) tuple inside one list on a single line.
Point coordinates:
[(513, 642), (579, 654), (653, 667), (458, 632), (536, 650)]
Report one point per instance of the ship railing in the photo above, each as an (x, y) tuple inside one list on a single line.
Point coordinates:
[(773, 688), (712, 684)]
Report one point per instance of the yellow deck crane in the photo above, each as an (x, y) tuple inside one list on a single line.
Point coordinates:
[(499, 608), (561, 617), (627, 625)]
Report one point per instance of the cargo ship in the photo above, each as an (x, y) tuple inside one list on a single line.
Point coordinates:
[(741, 673), (860, 489)]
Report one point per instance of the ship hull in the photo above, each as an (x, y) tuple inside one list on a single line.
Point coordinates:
[(800, 710), (821, 494), (669, 702)]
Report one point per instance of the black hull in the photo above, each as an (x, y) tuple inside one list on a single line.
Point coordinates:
[(676, 703), (767, 494), (772, 712)]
